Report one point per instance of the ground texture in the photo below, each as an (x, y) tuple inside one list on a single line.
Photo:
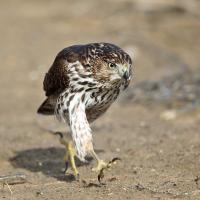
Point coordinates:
[(160, 158)]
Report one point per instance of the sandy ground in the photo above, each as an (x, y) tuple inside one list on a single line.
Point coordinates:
[(160, 159)]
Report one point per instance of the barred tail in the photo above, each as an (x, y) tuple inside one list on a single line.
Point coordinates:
[(48, 106)]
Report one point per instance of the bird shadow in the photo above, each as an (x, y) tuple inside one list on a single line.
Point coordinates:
[(49, 161)]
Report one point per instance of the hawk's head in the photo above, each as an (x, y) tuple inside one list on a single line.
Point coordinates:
[(110, 63)]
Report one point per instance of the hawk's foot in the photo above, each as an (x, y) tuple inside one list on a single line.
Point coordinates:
[(102, 166), (107, 167), (70, 154)]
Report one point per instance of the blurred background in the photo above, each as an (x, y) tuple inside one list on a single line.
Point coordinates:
[(163, 39)]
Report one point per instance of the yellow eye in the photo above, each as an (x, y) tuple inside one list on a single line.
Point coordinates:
[(112, 65)]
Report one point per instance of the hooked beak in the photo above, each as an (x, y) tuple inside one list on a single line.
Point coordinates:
[(125, 74), (126, 77)]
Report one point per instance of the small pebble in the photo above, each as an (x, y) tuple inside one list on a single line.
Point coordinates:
[(117, 149), (168, 115)]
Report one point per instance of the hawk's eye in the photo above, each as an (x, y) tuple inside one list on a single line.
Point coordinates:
[(112, 65)]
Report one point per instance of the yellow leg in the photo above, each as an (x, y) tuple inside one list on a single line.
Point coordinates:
[(70, 154)]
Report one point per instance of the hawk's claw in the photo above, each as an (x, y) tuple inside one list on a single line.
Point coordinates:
[(66, 166), (59, 133), (115, 159), (100, 175), (103, 166)]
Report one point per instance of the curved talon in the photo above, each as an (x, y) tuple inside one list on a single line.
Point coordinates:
[(115, 159), (58, 133), (66, 166), (100, 175)]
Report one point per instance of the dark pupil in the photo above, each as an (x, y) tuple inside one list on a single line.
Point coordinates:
[(112, 65)]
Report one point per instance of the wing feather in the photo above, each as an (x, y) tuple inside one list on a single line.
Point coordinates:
[(56, 79)]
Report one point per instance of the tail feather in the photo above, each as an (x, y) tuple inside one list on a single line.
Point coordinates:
[(48, 106)]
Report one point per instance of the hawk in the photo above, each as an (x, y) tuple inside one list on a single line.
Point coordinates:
[(81, 84)]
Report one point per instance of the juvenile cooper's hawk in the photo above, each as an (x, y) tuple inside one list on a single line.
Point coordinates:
[(80, 86)]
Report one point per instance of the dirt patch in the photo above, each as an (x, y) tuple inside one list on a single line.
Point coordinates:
[(160, 159)]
